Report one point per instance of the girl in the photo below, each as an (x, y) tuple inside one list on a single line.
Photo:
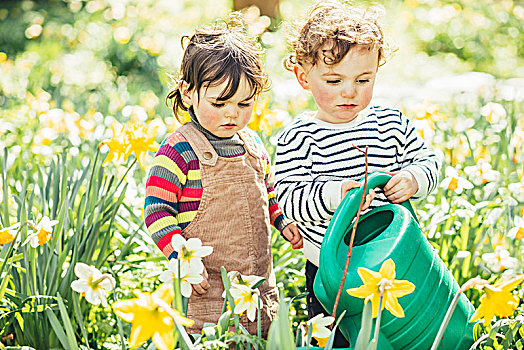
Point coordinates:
[(210, 179)]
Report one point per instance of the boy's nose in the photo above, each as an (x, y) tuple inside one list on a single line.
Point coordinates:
[(349, 90)]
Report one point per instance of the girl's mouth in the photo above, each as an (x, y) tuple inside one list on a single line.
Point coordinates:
[(229, 126)]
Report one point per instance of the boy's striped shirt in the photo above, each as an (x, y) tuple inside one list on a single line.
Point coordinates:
[(314, 157)]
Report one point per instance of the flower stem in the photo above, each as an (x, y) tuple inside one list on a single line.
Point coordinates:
[(259, 326), (350, 247), (379, 316)]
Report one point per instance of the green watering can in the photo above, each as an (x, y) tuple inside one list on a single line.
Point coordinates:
[(391, 231)]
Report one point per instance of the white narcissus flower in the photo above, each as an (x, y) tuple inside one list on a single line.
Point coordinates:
[(188, 276), (7, 234), (245, 299), (319, 327), (493, 216), (454, 182), (517, 189), (481, 173), (92, 284), (44, 231), (500, 259), (517, 232), (191, 251), (236, 278), (494, 112), (247, 280)]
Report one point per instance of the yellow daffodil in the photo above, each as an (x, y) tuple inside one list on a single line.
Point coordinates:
[(319, 328), (140, 139), (117, 144), (7, 234), (497, 300), (151, 316), (393, 288)]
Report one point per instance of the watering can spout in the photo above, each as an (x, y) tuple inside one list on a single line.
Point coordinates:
[(391, 232)]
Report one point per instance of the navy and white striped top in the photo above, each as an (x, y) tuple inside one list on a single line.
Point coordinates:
[(314, 157)]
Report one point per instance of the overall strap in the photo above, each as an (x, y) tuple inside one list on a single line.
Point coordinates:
[(203, 149), (250, 143)]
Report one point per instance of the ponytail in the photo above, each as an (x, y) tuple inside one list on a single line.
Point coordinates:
[(175, 96)]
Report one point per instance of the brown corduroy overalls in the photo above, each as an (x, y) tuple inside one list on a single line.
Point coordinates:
[(233, 218)]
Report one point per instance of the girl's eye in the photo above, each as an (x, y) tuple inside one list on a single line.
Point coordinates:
[(244, 105), (363, 81), (336, 81), (218, 105)]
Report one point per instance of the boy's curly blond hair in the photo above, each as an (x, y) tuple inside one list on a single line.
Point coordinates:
[(331, 29)]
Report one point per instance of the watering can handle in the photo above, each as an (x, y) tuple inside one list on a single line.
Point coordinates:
[(348, 209)]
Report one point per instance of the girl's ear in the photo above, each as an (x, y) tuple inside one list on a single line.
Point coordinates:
[(187, 96), (301, 75)]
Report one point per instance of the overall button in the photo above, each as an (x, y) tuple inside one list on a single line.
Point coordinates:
[(207, 155)]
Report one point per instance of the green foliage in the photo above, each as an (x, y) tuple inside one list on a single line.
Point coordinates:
[(85, 202)]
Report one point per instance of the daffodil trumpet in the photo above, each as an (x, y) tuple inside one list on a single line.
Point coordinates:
[(167, 308)]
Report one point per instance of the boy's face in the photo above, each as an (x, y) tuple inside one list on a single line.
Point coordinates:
[(341, 90), (223, 118)]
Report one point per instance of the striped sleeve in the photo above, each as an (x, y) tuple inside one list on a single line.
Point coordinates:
[(164, 184), (419, 161), (302, 198), (276, 217)]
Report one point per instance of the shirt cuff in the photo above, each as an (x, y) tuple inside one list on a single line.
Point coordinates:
[(283, 223), (331, 194), (422, 181)]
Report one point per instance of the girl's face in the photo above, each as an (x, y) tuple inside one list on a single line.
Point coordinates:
[(221, 118)]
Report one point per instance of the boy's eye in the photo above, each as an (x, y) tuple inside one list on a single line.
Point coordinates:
[(334, 81), (244, 105), (362, 81), (218, 105)]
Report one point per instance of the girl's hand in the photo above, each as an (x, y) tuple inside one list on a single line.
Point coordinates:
[(349, 185), (401, 187), (203, 286), (290, 232)]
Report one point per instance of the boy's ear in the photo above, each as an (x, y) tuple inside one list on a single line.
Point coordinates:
[(301, 75), (185, 93)]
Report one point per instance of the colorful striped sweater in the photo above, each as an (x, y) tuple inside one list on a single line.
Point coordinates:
[(174, 187)]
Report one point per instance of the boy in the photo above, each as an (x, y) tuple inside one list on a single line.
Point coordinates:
[(336, 55)]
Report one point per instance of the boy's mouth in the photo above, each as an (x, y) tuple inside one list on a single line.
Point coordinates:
[(352, 105)]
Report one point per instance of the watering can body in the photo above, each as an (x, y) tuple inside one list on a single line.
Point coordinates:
[(391, 231)]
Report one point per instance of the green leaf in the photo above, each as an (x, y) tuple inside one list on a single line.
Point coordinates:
[(67, 324), (280, 335), (365, 329), (57, 327)]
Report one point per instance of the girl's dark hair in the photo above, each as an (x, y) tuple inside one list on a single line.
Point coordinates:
[(217, 54)]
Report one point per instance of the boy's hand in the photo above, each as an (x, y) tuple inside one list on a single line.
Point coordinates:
[(350, 184), (401, 187), (290, 232), (203, 286)]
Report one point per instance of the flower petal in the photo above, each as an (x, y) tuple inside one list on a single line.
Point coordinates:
[(387, 270)]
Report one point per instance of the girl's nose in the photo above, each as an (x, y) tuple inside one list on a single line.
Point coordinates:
[(231, 112)]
